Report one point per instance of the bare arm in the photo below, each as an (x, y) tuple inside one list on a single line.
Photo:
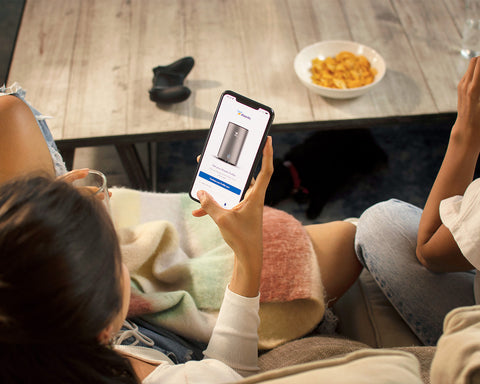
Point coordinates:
[(242, 228), (436, 247), (235, 336)]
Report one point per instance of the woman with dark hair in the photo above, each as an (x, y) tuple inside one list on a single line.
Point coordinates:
[(64, 292), (60, 296)]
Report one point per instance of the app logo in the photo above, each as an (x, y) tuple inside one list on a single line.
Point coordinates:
[(240, 113)]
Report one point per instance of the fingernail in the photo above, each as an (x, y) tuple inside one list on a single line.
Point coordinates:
[(201, 195)]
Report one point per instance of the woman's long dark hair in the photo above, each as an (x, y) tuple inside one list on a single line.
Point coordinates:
[(60, 286)]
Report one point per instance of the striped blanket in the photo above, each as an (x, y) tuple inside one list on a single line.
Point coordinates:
[(180, 266)]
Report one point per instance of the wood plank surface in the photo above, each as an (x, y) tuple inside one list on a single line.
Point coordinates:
[(404, 90), (212, 39), (436, 48), (97, 98), (43, 56), (157, 37), (89, 63), (269, 47)]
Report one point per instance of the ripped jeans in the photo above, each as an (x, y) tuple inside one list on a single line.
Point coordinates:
[(385, 244), (57, 159)]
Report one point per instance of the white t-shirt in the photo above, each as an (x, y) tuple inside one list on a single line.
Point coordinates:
[(461, 215), (232, 351)]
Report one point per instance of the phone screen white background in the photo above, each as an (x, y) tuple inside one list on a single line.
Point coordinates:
[(227, 161)]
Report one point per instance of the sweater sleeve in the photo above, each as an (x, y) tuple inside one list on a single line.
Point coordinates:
[(234, 339), (231, 352)]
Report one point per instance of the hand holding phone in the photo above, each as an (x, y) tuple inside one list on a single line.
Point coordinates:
[(242, 228), (232, 149)]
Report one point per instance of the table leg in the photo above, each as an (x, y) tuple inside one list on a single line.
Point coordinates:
[(68, 154), (133, 166)]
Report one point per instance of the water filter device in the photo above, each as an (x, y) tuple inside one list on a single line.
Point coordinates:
[(232, 143)]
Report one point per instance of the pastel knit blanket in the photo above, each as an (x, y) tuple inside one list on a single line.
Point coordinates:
[(180, 267)]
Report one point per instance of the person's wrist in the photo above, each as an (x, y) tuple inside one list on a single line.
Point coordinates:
[(463, 145), (246, 277)]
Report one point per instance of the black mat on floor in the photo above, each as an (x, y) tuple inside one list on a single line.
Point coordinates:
[(414, 155)]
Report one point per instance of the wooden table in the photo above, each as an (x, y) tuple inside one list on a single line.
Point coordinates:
[(89, 63)]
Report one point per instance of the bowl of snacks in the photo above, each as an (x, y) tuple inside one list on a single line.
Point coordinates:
[(339, 69)]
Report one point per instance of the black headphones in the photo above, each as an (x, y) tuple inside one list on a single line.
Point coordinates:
[(168, 80)]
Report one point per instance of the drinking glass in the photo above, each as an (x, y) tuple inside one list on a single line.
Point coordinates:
[(471, 30), (96, 183)]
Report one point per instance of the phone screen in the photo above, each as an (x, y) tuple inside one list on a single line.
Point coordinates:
[(233, 148)]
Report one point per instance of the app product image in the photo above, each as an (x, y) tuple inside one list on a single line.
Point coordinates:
[(232, 143)]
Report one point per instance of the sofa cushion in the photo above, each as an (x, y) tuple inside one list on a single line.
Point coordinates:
[(424, 356), (457, 359), (363, 366), (315, 348), (366, 315), (306, 350)]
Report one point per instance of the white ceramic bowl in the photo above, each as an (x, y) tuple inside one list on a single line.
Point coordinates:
[(324, 49)]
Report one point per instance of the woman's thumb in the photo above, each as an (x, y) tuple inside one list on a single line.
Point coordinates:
[(208, 204)]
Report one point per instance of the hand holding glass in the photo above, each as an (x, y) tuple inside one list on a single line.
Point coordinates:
[(96, 183)]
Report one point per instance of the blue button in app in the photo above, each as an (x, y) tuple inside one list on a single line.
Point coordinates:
[(219, 182)]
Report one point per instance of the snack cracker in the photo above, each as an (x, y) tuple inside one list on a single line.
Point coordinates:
[(345, 70)]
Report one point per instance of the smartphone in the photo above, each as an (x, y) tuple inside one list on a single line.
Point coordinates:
[(233, 148)]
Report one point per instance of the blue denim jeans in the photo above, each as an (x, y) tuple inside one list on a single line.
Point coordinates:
[(57, 159), (385, 243), (175, 347)]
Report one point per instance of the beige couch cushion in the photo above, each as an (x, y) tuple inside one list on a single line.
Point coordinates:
[(457, 359), (366, 315), (365, 366), (315, 348), (307, 350), (424, 355)]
